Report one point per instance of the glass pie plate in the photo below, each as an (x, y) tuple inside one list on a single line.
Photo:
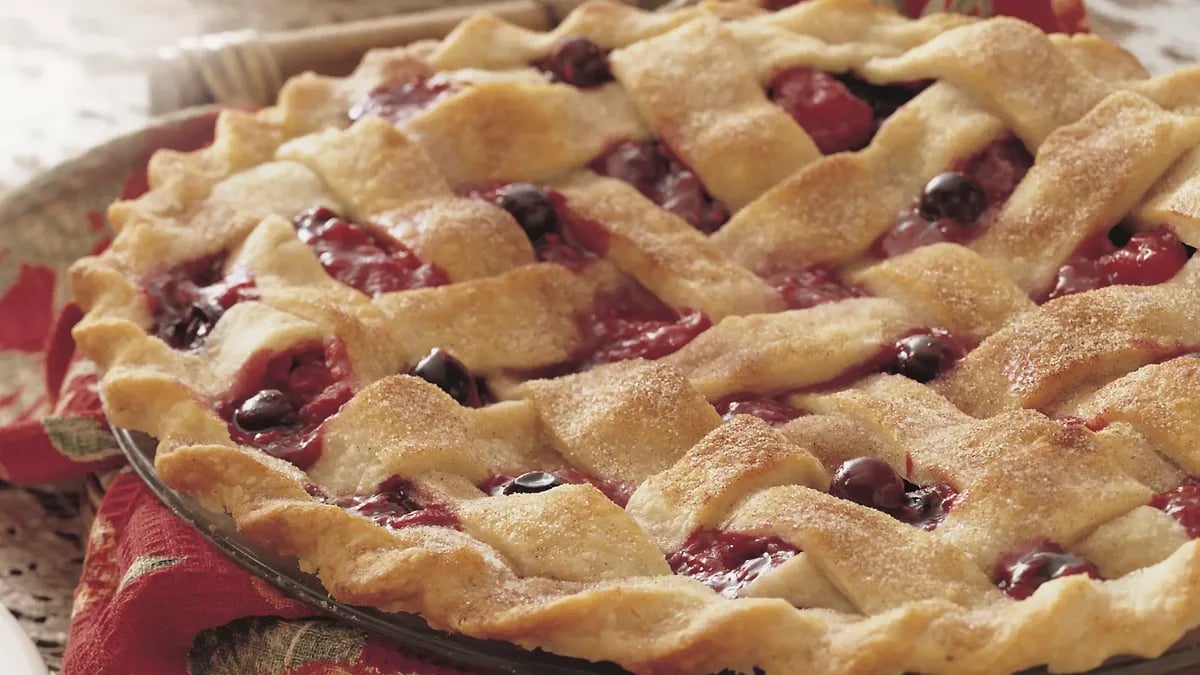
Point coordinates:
[(479, 655)]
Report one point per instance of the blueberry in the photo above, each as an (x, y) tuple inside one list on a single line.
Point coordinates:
[(449, 374), (532, 482), (922, 357), (530, 206), (954, 196), (580, 62), (869, 481), (267, 409)]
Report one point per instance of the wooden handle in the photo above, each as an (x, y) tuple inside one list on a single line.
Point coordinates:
[(336, 49), (247, 69)]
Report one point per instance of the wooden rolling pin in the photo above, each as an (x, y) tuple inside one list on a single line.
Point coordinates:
[(247, 68)]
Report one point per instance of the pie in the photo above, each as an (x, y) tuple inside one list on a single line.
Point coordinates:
[(822, 340)]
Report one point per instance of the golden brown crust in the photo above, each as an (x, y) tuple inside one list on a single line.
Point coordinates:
[(569, 571)]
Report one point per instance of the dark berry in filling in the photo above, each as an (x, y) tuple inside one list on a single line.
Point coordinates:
[(394, 505), (187, 301), (954, 196), (558, 235), (1183, 504), (833, 117), (869, 481), (926, 507), (727, 561), (362, 259), (875, 484), (268, 408), (1142, 259), (812, 286), (532, 482), (924, 356), (769, 410), (658, 174), (281, 400), (956, 206), (399, 101), (884, 99), (531, 207), (1020, 573), (617, 334), (440, 368), (577, 61)]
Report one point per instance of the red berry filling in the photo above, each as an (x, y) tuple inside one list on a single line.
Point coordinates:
[(393, 505), (1183, 504), (188, 300), (728, 561), (658, 174), (834, 118), (362, 259), (956, 206), (812, 286), (399, 101), (769, 410), (1021, 572), (616, 491), (839, 113), (281, 400), (922, 355), (557, 235), (619, 334), (577, 61), (873, 483), (1117, 258)]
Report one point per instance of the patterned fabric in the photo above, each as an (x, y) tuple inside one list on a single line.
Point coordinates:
[(155, 596)]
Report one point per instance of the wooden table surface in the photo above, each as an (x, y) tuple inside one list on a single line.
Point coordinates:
[(74, 70)]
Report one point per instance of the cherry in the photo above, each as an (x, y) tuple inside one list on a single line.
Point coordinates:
[(1141, 259), (952, 195), (922, 357), (926, 507), (267, 409), (314, 217), (1020, 573), (1183, 504), (836, 119), (1148, 258), (641, 165), (869, 481), (650, 167), (580, 62), (727, 561), (812, 286), (398, 102), (533, 482), (769, 410), (913, 231), (531, 207)]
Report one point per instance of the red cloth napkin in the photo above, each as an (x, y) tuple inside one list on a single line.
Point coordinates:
[(155, 596)]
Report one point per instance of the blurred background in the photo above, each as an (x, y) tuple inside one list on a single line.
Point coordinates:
[(75, 68)]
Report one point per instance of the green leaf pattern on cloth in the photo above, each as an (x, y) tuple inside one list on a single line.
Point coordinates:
[(272, 646), (145, 565), (80, 438)]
